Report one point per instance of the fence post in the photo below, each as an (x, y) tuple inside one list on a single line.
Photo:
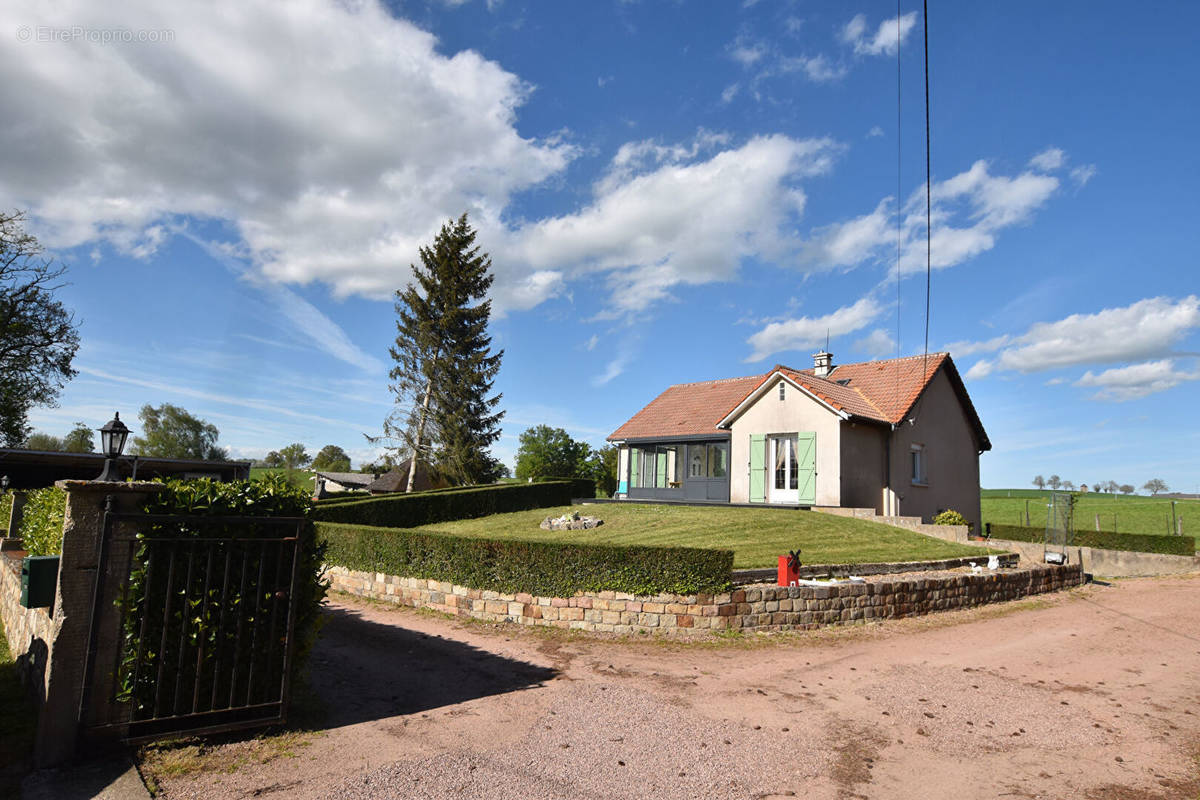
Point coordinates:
[(1097, 523), (61, 685)]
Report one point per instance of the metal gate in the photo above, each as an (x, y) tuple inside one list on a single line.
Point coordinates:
[(192, 624)]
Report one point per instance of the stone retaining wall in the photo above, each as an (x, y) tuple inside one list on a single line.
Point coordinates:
[(29, 630), (761, 608)]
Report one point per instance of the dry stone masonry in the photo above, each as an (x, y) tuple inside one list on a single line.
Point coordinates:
[(570, 522), (753, 608)]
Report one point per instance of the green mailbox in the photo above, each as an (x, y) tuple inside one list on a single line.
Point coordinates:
[(39, 579)]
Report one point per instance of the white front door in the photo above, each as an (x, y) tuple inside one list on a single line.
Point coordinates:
[(782, 470)]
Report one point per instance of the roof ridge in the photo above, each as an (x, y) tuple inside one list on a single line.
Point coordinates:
[(889, 360), (715, 381)]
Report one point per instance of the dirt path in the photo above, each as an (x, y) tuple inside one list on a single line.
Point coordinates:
[(1092, 694)]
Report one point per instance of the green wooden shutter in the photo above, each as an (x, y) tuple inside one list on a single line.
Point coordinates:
[(634, 453), (758, 468), (806, 458)]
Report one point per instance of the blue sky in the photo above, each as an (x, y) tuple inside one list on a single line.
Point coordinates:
[(670, 192)]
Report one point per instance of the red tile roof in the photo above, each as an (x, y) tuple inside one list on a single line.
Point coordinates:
[(879, 391), (688, 409)]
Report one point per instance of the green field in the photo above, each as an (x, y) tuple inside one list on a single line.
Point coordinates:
[(297, 477), (1118, 513), (757, 536)]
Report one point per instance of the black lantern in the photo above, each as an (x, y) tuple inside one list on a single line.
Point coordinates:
[(4, 484), (112, 442)]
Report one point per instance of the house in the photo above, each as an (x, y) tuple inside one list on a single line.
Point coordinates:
[(397, 480), (899, 436), (31, 469), (327, 483)]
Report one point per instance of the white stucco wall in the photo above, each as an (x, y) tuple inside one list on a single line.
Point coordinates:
[(796, 412)]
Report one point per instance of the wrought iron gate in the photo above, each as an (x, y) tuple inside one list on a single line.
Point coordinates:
[(192, 624)]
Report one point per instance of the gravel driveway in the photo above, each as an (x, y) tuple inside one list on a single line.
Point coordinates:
[(1088, 694)]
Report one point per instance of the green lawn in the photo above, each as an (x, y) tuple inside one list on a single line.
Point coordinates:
[(757, 536), (1128, 513)]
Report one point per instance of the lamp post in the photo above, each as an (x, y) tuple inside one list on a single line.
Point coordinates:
[(112, 442)]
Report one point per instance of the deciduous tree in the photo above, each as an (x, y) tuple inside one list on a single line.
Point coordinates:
[(332, 458), (45, 442), (1155, 485), (81, 439), (1054, 481), (38, 337), (171, 432), (1039, 482), (546, 452), (293, 456), (1126, 488)]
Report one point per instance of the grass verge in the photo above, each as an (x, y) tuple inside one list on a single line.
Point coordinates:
[(159, 762)]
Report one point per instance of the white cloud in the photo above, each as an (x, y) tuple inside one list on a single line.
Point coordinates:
[(334, 138), (1146, 332), (962, 349), (1081, 175), (969, 210), (746, 50), (1049, 160), (877, 344), (890, 34), (808, 332), (730, 92), (817, 69), (1136, 380), (661, 219), (1146, 329), (980, 369), (874, 132)]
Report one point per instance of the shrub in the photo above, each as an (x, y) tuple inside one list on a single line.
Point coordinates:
[(950, 517), (206, 620), (550, 569), (6, 504), (580, 487), (411, 510), (1136, 542), (42, 521)]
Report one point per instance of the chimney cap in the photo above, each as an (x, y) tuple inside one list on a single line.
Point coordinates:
[(822, 363)]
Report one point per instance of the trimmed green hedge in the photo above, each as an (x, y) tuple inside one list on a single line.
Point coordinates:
[(549, 569), (580, 487), (411, 510), (42, 521), (354, 497), (6, 503), (1136, 542)]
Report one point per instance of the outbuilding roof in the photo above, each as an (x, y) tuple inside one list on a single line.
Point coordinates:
[(875, 391)]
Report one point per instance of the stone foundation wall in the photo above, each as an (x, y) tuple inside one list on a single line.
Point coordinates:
[(761, 608), (29, 631)]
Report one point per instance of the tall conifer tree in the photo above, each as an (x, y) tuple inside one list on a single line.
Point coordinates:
[(444, 369)]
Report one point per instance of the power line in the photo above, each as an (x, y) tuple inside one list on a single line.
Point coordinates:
[(928, 194)]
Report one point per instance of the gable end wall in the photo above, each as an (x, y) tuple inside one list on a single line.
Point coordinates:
[(796, 412)]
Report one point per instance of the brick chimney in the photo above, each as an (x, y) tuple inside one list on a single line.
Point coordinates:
[(822, 364)]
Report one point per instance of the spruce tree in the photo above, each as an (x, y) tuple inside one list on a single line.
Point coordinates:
[(444, 368)]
